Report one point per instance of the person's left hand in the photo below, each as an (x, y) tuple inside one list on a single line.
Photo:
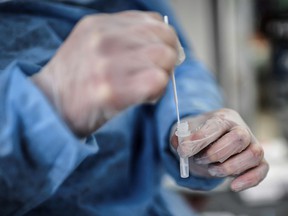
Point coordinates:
[(222, 145)]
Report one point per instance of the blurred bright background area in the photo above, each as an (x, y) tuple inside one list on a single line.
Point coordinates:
[(245, 44)]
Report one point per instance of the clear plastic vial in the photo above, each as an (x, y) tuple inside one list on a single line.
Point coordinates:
[(182, 132)]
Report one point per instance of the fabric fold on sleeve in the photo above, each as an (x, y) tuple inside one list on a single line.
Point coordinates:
[(37, 150)]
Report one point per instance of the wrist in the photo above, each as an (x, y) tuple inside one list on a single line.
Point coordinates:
[(45, 83)]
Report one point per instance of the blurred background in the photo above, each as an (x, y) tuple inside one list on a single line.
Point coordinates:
[(245, 43)]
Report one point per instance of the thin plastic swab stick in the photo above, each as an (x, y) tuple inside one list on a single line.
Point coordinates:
[(174, 83), (182, 127), (175, 97)]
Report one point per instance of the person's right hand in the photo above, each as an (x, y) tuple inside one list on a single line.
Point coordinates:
[(108, 63)]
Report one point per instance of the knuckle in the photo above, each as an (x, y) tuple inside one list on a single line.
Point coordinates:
[(166, 52), (227, 111), (221, 156), (214, 157), (257, 153), (105, 42), (219, 123), (159, 49), (158, 81), (169, 32), (227, 169), (242, 136), (151, 26), (161, 55), (143, 30), (232, 168)]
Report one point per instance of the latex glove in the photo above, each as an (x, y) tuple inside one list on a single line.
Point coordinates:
[(108, 63), (222, 145)]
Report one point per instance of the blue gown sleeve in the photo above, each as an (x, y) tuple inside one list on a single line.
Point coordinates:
[(197, 93), (37, 150)]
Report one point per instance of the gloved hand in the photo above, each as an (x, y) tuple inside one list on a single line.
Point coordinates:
[(108, 63), (221, 145)]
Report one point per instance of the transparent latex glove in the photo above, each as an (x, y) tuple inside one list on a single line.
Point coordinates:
[(222, 145), (108, 63)]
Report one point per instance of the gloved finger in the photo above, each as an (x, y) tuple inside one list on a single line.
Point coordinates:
[(141, 15), (149, 56), (251, 178), (115, 43), (209, 132), (160, 55), (233, 142), (188, 148), (147, 85), (240, 163), (143, 23)]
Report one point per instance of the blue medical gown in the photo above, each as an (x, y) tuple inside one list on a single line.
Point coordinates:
[(44, 168)]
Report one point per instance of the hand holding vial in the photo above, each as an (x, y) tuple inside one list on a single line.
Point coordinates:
[(222, 145)]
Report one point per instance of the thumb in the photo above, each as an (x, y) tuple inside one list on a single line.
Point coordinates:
[(203, 136)]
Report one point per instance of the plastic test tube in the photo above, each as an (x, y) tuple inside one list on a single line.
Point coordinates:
[(182, 131)]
